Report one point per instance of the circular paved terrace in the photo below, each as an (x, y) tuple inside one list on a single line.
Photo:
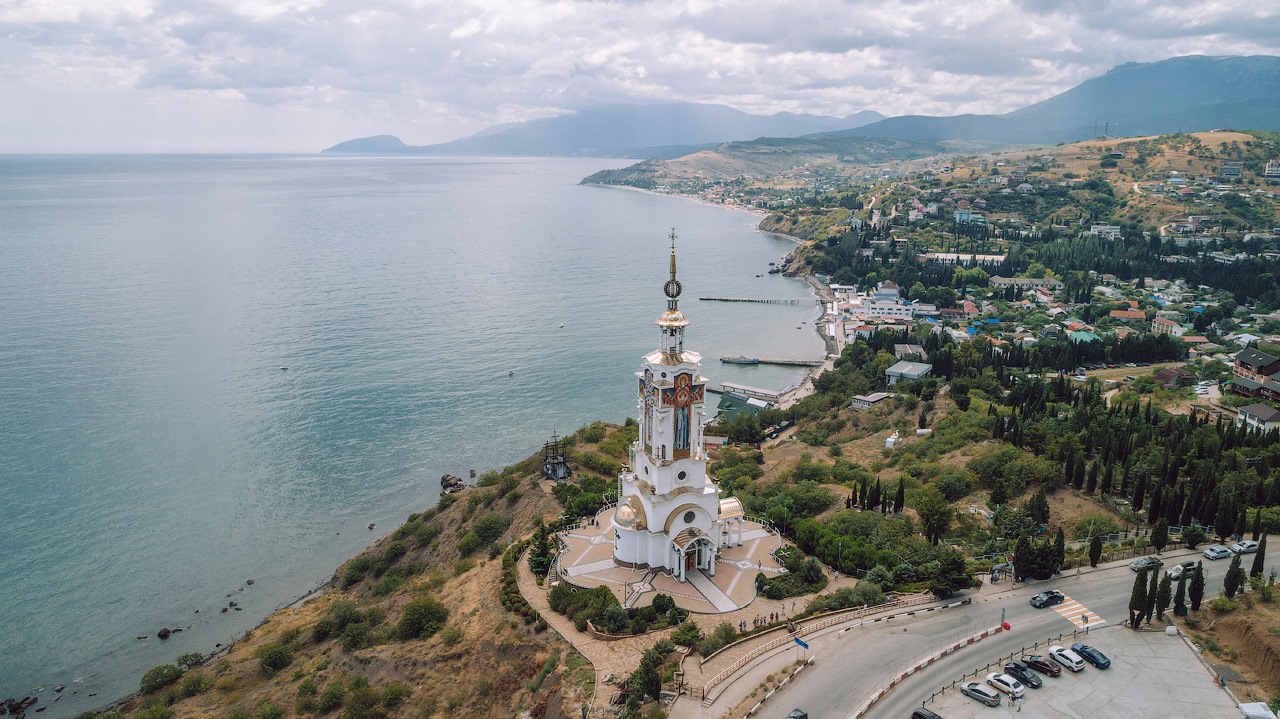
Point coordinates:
[(586, 560)]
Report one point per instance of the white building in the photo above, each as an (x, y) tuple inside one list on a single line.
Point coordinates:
[(670, 515)]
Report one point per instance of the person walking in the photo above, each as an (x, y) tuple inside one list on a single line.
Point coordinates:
[(1018, 701)]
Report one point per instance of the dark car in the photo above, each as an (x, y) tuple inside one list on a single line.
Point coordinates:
[(922, 713), (1091, 655), (798, 714), (1044, 599), (1141, 563), (1023, 673), (1042, 664)]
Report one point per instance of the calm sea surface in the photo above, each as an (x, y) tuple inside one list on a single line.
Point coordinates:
[(154, 455)]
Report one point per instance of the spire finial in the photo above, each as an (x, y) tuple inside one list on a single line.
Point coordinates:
[(673, 253)]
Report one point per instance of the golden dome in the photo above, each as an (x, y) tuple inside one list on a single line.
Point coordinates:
[(625, 516), (672, 318)]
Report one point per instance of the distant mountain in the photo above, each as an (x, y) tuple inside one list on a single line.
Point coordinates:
[(653, 131), (1180, 94)]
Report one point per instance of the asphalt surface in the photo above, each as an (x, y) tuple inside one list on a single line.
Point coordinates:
[(852, 664)]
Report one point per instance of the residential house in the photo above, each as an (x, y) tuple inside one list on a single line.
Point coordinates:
[(1255, 365), (1258, 417), (1129, 315), (867, 401), (1026, 283), (1175, 377), (907, 371), (1164, 326)]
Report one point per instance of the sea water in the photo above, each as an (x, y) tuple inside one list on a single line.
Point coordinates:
[(222, 369)]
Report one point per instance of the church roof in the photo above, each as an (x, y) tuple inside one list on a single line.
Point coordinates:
[(730, 507), (687, 536)]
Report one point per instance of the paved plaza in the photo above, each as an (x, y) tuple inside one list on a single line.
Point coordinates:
[(586, 560)]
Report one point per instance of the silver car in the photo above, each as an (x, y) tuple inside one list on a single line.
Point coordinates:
[(983, 694), (1218, 552), (1248, 546)]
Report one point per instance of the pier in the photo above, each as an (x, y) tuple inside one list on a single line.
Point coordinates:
[(782, 301), (780, 362)]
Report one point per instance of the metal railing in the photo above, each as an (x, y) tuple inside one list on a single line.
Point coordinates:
[(842, 616), (1001, 661)]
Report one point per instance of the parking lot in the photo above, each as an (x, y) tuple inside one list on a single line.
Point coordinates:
[(1151, 675)]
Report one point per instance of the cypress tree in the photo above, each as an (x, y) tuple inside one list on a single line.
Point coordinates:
[(1077, 478), (1156, 510), (1092, 484), (1234, 579), (900, 498), (1151, 594), (1180, 596), (1273, 497), (1160, 534), (1225, 522), (1163, 594), (1107, 478), (1195, 591), (1139, 492), (1242, 522), (1138, 599), (1257, 523), (1095, 550), (1256, 569)]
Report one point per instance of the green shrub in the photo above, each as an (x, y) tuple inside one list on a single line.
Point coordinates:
[(268, 711), (490, 527), (323, 629), (422, 618), (355, 636), (331, 697), (469, 543), (195, 683), (160, 677), (364, 703), (239, 713), (274, 657), (450, 636), (687, 635), (394, 693), (344, 613), (189, 660), (157, 710)]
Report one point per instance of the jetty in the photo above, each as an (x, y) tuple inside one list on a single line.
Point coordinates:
[(780, 362), (774, 301)]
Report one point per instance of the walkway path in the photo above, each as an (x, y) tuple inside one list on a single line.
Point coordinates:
[(718, 599)]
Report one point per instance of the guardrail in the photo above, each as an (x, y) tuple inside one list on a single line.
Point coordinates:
[(1000, 662), (921, 663), (843, 616)]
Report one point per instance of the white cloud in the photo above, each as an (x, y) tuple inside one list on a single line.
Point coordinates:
[(428, 70)]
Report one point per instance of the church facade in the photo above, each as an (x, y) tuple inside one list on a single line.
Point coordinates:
[(670, 513)]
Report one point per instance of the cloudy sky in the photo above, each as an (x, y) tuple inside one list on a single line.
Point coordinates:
[(299, 75)]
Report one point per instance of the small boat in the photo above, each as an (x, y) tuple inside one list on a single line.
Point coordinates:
[(740, 360), (510, 372), (561, 325)]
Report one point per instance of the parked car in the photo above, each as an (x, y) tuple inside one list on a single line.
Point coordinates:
[(1091, 655), (1218, 552), (1248, 546), (983, 694), (1023, 673), (922, 713), (1177, 570), (1045, 599), (1067, 658), (1142, 563), (798, 714), (1042, 664), (1006, 684)]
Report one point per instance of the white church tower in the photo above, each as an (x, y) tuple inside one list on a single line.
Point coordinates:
[(670, 515)]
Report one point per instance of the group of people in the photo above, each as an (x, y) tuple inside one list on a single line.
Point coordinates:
[(760, 620)]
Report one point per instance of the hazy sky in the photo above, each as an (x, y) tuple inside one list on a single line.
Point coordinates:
[(272, 75)]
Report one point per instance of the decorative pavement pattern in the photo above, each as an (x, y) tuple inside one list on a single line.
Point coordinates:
[(1077, 614), (586, 560)]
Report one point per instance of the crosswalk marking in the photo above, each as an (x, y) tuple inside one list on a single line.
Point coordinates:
[(1078, 614)]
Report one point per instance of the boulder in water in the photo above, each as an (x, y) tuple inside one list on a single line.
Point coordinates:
[(450, 484), (163, 633)]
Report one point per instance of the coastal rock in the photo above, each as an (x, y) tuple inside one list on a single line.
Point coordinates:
[(60, 687), (163, 633), (22, 705), (450, 484), (224, 610), (249, 582)]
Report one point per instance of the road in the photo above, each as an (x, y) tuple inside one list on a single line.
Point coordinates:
[(855, 663)]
